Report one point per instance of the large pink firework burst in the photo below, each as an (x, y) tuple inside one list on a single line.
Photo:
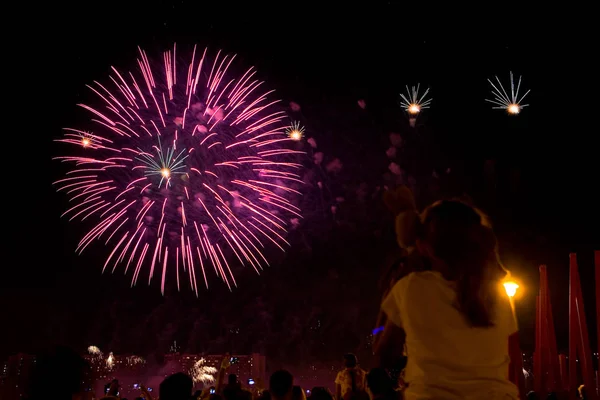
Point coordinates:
[(184, 168)]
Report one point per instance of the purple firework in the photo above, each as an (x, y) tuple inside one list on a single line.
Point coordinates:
[(184, 169)]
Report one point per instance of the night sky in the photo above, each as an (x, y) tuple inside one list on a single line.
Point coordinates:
[(325, 57)]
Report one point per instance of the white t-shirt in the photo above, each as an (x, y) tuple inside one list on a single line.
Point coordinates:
[(344, 379), (448, 359)]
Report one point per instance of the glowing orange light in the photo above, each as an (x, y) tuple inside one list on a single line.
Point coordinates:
[(295, 134), (165, 172), (414, 109), (511, 288), (514, 109), (85, 142), (295, 131)]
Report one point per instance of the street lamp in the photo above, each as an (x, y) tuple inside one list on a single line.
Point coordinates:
[(511, 288)]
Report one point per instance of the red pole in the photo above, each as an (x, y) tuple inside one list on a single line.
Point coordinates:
[(546, 359), (597, 262), (573, 331), (554, 380), (538, 373), (585, 353), (585, 359), (562, 365)]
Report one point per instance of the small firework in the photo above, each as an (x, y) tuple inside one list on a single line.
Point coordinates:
[(295, 131), (512, 104), (134, 360), (94, 350), (202, 373), (412, 102), (174, 347), (166, 166), (84, 139), (110, 361)]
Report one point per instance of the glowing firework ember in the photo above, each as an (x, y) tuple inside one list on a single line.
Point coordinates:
[(202, 373), (512, 104), (81, 138), (94, 351), (295, 131), (414, 109), (412, 102), (185, 170), (110, 361)]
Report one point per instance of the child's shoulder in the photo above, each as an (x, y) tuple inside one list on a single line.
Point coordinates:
[(420, 282)]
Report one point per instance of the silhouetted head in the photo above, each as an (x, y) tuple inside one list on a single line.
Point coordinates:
[(232, 379), (532, 395), (379, 382), (176, 387), (350, 360), (298, 393), (265, 395), (458, 241), (230, 392), (113, 388), (320, 393), (280, 385)]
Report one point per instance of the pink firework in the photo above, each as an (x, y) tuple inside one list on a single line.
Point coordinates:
[(184, 170)]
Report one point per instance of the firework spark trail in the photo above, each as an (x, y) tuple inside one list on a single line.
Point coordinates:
[(110, 361), (412, 102), (200, 372), (294, 131), (183, 168), (502, 100)]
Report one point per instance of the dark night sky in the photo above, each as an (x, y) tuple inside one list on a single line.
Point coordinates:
[(322, 59)]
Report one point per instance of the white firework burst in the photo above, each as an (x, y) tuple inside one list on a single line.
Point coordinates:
[(412, 102), (94, 350), (502, 100), (202, 373), (167, 165), (110, 361)]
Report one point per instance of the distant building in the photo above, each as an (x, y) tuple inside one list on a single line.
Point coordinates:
[(15, 376)]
